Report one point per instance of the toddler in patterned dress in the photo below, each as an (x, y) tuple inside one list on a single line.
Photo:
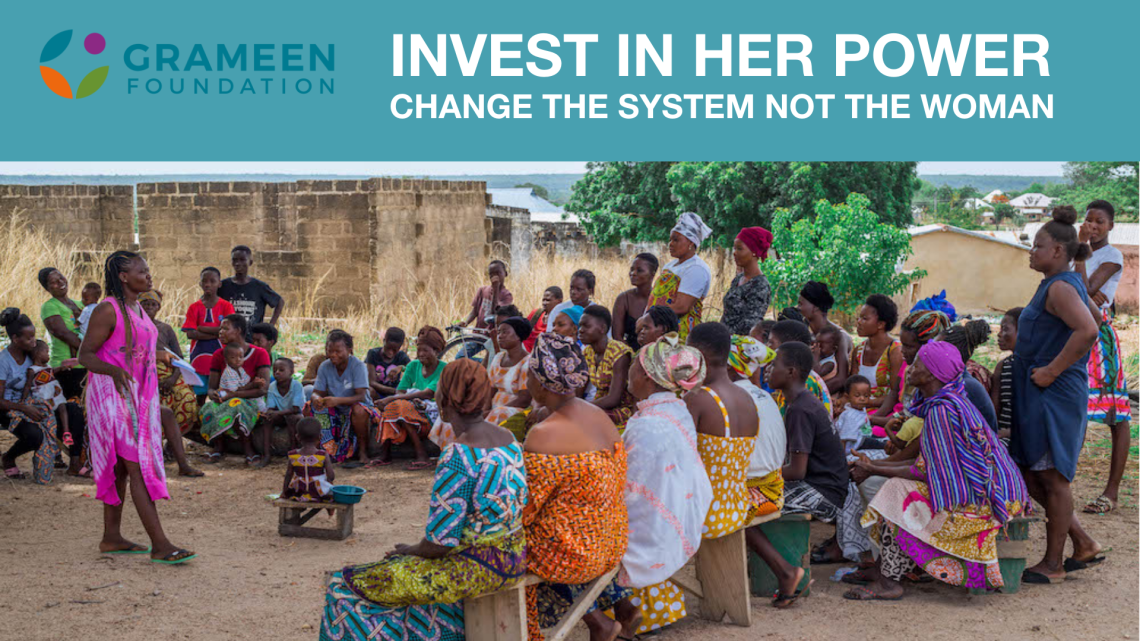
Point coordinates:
[(309, 474)]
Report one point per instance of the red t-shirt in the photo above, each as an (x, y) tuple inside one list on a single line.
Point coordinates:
[(255, 359), (201, 352)]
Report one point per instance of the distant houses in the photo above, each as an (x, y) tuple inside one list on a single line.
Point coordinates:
[(1033, 206)]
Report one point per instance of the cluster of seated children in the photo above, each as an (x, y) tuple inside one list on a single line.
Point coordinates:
[(571, 452)]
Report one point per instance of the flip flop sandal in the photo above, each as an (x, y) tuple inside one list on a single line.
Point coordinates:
[(416, 466), (1101, 505), (374, 463), (782, 600), (821, 558), (863, 593), (250, 460), (176, 557), (1036, 578), (1072, 565), (858, 577), (213, 457), (14, 473), (193, 474), (136, 549)]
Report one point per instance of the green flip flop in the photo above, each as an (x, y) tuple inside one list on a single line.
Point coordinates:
[(175, 558)]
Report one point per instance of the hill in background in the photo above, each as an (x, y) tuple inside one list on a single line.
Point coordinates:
[(986, 184)]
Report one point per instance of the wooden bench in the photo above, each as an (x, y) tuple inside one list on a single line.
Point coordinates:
[(293, 516), (501, 616), (722, 576), (1012, 551)]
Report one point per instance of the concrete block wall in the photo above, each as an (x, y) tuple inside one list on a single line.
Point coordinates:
[(512, 228), (90, 216)]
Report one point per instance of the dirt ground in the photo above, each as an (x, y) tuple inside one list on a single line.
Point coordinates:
[(250, 583)]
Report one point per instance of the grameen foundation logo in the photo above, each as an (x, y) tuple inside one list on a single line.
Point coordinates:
[(94, 44)]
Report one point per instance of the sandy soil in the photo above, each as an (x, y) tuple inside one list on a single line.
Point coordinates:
[(249, 583)]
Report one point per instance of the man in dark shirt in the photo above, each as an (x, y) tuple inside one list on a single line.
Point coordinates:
[(248, 295)]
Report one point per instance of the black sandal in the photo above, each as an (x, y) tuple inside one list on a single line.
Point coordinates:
[(1037, 578)]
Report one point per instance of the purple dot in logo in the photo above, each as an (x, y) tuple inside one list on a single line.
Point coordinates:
[(94, 43)]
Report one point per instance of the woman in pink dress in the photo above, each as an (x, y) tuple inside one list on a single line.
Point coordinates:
[(122, 410)]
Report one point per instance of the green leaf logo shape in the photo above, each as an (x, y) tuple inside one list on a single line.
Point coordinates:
[(91, 82), (56, 46)]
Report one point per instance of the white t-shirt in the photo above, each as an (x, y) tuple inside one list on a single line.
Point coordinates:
[(695, 275), (771, 439), (1111, 256), (850, 426)]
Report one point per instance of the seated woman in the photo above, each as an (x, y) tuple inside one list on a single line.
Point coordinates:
[(30, 420), (656, 322), (236, 416), (508, 371), (566, 322), (410, 414), (576, 521), (473, 543), (608, 361), (943, 512), (342, 402), (879, 357), (667, 490), (630, 305)]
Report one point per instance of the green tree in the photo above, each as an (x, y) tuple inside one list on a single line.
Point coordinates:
[(640, 201), (844, 245), (1116, 182), (539, 190), (1007, 212)]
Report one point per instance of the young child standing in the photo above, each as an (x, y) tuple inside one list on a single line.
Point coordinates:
[(1002, 393), (90, 296), (386, 364), (309, 475), (203, 322)]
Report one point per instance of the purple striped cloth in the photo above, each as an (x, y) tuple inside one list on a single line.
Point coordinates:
[(965, 462)]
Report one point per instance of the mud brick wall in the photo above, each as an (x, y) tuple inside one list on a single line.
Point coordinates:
[(339, 244), (90, 216)]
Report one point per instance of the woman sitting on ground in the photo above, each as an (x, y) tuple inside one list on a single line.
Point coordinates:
[(566, 322), (630, 305), (410, 414), (942, 513), (576, 521), (608, 361), (236, 415), (473, 543), (656, 322), (879, 357), (32, 421), (342, 402)]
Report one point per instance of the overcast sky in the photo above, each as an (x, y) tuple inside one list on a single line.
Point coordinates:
[(1028, 168)]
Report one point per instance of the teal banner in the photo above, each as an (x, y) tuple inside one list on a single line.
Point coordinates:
[(726, 80)]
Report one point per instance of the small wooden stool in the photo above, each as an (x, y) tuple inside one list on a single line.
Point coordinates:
[(791, 536), (501, 616), (294, 515)]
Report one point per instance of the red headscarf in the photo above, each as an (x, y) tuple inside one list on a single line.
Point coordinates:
[(757, 239)]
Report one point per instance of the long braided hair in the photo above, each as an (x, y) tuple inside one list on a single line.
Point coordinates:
[(116, 264), (967, 337)]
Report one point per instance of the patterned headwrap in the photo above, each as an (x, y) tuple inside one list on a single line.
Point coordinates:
[(432, 337), (574, 313), (558, 364), (925, 324), (748, 355), (757, 239), (937, 303), (671, 364), (942, 359), (465, 386), (152, 295), (692, 227)]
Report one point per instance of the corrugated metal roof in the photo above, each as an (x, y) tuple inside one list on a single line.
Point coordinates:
[(1005, 238), (524, 198)]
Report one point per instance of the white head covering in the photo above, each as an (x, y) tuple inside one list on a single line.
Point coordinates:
[(692, 227)]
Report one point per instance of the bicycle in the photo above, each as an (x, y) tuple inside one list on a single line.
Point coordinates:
[(467, 342)]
